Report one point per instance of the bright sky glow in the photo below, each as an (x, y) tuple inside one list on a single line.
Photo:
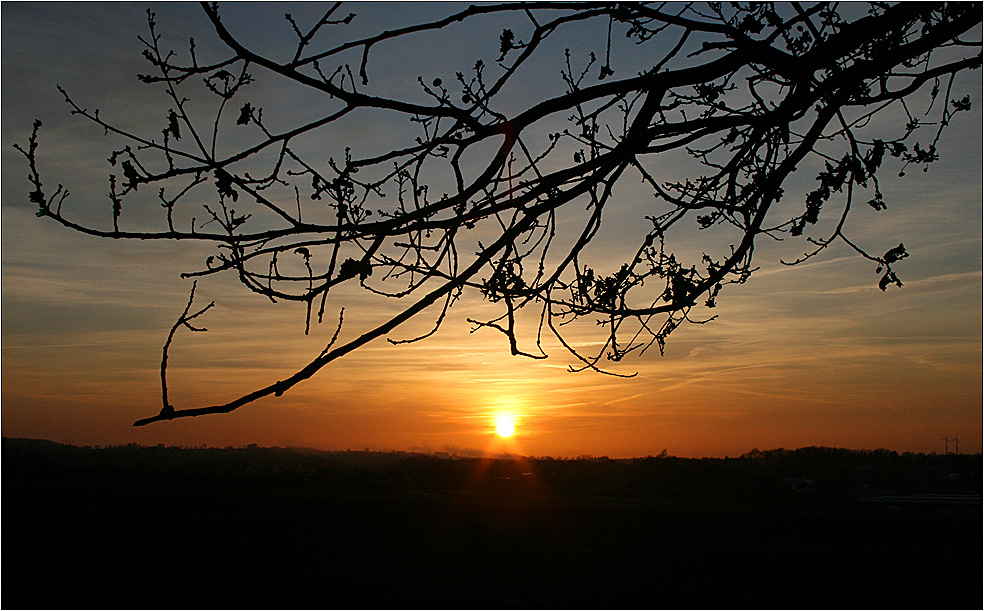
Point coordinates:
[(504, 425)]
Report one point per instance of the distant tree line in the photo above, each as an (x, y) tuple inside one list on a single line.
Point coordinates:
[(835, 474)]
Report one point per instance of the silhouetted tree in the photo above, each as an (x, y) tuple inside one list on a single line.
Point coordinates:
[(504, 200)]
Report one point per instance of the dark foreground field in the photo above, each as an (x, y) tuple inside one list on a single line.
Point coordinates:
[(131, 527)]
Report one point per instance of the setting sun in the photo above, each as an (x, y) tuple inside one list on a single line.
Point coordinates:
[(504, 426)]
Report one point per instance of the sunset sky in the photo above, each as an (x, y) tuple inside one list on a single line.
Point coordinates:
[(810, 355)]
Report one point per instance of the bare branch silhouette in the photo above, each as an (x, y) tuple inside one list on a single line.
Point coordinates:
[(746, 94)]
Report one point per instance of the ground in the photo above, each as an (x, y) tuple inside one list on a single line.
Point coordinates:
[(114, 533)]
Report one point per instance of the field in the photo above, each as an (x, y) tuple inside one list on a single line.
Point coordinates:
[(273, 528)]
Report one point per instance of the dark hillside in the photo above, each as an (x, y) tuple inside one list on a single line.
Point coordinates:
[(154, 527)]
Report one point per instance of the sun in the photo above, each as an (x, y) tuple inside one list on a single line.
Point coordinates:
[(504, 426)]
